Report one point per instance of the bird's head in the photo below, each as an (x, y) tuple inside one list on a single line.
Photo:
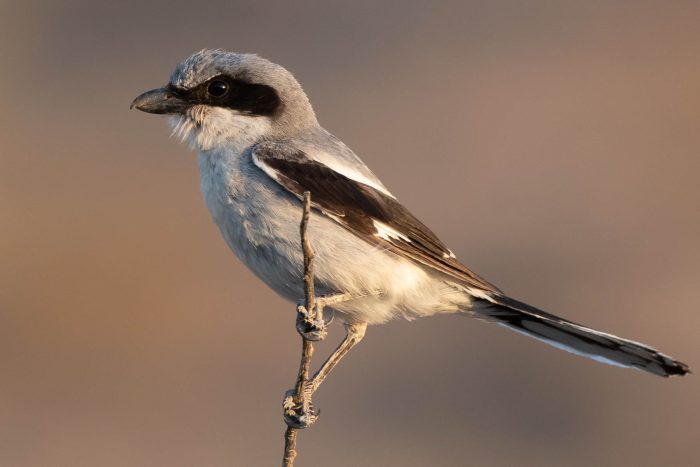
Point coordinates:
[(217, 98)]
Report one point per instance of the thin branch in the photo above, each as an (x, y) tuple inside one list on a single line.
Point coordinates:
[(297, 406), (309, 254), (290, 447)]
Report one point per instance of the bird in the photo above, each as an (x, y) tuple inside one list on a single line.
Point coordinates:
[(261, 148)]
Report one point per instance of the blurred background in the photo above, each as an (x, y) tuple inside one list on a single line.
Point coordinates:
[(564, 134)]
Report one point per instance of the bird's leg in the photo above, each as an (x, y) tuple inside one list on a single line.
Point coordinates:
[(298, 410), (310, 323), (355, 333), (301, 413)]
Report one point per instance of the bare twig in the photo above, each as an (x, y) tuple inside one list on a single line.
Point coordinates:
[(290, 447), (297, 406), (308, 254)]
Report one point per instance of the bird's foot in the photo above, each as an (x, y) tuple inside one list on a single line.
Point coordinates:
[(311, 326), (299, 414)]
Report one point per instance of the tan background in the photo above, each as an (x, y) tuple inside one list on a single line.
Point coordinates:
[(564, 136)]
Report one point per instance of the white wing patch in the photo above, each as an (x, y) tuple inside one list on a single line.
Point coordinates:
[(343, 170), (358, 177), (478, 293), (388, 233), (269, 171), (350, 172), (449, 254)]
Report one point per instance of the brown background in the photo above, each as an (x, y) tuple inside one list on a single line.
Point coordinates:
[(563, 135)]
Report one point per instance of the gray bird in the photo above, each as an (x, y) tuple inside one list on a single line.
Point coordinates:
[(261, 147)]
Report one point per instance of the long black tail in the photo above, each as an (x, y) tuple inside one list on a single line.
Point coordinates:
[(575, 338)]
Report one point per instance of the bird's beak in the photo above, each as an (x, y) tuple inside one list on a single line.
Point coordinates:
[(160, 101)]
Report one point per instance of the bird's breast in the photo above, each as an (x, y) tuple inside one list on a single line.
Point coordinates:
[(257, 218)]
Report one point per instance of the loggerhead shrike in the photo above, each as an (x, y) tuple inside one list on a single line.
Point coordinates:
[(261, 147)]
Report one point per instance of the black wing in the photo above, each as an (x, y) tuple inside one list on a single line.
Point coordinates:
[(365, 211)]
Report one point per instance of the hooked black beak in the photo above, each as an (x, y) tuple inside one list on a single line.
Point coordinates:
[(160, 101)]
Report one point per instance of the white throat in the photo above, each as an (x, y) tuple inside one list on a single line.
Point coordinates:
[(207, 128)]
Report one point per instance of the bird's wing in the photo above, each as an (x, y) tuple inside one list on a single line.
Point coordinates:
[(367, 212)]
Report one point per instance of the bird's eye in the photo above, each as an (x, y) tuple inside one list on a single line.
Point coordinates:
[(217, 88)]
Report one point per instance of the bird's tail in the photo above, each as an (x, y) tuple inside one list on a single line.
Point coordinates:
[(573, 337)]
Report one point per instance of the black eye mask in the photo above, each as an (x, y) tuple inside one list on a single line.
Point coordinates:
[(236, 94)]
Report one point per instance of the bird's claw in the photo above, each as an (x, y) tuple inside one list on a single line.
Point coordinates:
[(298, 414), (311, 328)]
